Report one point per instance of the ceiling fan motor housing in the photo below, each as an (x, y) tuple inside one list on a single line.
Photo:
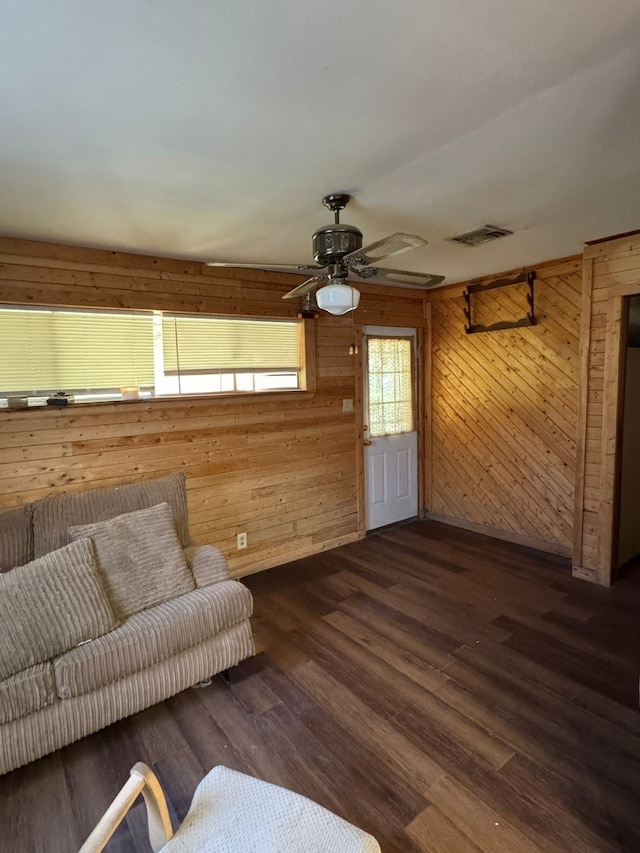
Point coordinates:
[(332, 242)]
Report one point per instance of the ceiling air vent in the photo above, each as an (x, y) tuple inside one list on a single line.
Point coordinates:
[(480, 235)]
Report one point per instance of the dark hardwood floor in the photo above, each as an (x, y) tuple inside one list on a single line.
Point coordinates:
[(447, 692)]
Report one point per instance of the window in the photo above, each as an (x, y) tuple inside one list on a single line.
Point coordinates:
[(102, 354), (390, 385), (214, 354)]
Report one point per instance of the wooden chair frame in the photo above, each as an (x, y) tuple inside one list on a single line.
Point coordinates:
[(142, 780)]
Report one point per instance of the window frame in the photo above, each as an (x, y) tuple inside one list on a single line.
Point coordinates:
[(306, 370)]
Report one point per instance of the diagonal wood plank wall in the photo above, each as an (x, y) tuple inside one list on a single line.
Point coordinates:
[(612, 273), (502, 439), (282, 467)]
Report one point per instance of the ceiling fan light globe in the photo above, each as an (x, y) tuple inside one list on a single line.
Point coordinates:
[(337, 298)]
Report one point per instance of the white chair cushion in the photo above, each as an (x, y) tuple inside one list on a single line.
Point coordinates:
[(235, 813)]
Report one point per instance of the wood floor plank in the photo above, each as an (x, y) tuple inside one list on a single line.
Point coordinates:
[(101, 765), (396, 750), (194, 717), (568, 820), (420, 672), (434, 831), (490, 830), (443, 690), (39, 801), (617, 680), (422, 640), (577, 757), (489, 683)]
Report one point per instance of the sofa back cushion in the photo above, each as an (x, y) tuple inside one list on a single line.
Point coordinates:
[(54, 515), (140, 559), (16, 537), (50, 605)]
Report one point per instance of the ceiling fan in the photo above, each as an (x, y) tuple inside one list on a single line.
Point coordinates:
[(337, 248)]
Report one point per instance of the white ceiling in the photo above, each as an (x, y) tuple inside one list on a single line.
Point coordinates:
[(211, 130)]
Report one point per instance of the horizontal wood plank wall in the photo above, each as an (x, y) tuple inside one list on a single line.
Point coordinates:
[(614, 269), (504, 407), (281, 467)]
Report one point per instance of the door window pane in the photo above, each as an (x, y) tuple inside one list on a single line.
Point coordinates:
[(389, 363)]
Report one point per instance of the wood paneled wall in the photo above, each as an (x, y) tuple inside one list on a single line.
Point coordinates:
[(282, 467), (502, 437), (500, 430), (611, 273)]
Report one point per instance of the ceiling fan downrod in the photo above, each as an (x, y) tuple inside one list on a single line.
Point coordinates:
[(336, 202)]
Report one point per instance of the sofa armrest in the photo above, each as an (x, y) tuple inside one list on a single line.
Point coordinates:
[(207, 564)]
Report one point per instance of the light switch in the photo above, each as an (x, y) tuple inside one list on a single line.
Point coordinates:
[(347, 406)]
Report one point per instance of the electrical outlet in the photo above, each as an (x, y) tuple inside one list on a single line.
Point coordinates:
[(241, 539)]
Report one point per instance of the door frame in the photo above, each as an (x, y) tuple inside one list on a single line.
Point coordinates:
[(613, 400), (610, 430), (419, 412)]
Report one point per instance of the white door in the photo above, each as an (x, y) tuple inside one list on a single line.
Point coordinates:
[(390, 433)]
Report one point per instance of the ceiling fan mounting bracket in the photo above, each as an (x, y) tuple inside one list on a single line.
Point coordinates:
[(336, 201)]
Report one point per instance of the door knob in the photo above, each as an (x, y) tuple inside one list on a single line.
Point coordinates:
[(367, 442)]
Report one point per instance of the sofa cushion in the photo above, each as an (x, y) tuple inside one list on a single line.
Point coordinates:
[(26, 692), (16, 537), (54, 515), (49, 606), (140, 558), (152, 636)]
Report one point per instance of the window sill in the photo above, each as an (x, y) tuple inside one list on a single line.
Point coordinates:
[(288, 393)]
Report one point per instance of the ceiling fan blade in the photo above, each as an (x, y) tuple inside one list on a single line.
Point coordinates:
[(301, 268), (394, 244), (306, 286), (399, 278)]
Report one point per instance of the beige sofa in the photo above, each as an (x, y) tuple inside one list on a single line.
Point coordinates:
[(107, 607)]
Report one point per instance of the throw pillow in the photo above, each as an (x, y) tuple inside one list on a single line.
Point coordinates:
[(50, 605), (140, 558)]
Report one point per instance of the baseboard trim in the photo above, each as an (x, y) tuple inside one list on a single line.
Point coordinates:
[(505, 535), (300, 554), (591, 575)]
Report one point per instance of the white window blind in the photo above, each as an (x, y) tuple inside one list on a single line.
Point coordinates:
[(42, 351), (207, 344), (96, 353)]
